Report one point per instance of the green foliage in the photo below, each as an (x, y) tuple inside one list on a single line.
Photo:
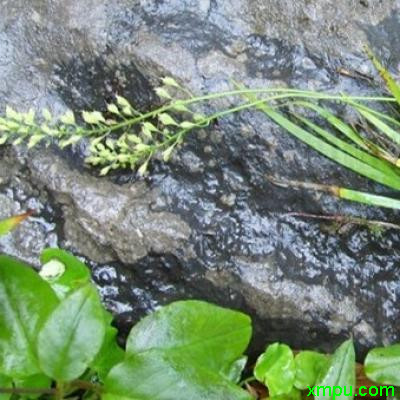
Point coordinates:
[(162, 375), (276, 369), (309, 364), (63, 271), (382, 365), (54, 329), (186, 343), (340, 371), (59, 343), (122, 137), (8, 224), (72, 335), (26, 301)]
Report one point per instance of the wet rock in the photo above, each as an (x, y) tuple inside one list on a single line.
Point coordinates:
[(208, 224)]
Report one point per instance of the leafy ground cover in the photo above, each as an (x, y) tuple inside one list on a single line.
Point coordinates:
[(57, 341)]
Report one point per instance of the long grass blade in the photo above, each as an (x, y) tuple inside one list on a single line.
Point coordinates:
[(343, 193), (341, 126), (382, 126), (386, 76), (368, 198), (363, 156), (330, 151), (8, 224), (327, 149)]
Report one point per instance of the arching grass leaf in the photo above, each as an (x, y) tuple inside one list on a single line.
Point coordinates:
[(8, 224)]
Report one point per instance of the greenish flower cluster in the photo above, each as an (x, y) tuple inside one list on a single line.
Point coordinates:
[(120, 137)]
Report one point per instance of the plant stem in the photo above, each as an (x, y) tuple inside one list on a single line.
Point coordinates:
[(247, 380), (343, 219), (287, 94), (85, 385), (28, 391), (59, 395)]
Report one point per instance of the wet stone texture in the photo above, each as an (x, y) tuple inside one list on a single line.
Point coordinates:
[(207, 225)]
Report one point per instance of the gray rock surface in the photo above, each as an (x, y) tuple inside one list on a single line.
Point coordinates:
[(208, 224)]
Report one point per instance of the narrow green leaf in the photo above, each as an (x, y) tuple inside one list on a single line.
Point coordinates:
[(26, 301), (382, 126), (340, 374), (340, 125), (8, 224), (276, 369), (368, 198), (382, 365), (332, 152), (157, 375), (198, 332), (363, 156), (72, 336), (309, 365), (75, 273), (387, 77)]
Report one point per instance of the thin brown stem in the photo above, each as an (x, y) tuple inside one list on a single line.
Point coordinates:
[(28, 391), (85, 385), (343, 219)]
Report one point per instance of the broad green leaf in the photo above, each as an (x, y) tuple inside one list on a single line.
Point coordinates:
[(382, 365), (6, 383), (26, 301), (234, 372), (276, 369), (157, 375), (76, 273), (309, 365), (6, 225), (339, 373), (198, 332), (38, 381), (72, 335)]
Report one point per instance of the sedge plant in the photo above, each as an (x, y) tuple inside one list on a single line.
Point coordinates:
[(124, 137)]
